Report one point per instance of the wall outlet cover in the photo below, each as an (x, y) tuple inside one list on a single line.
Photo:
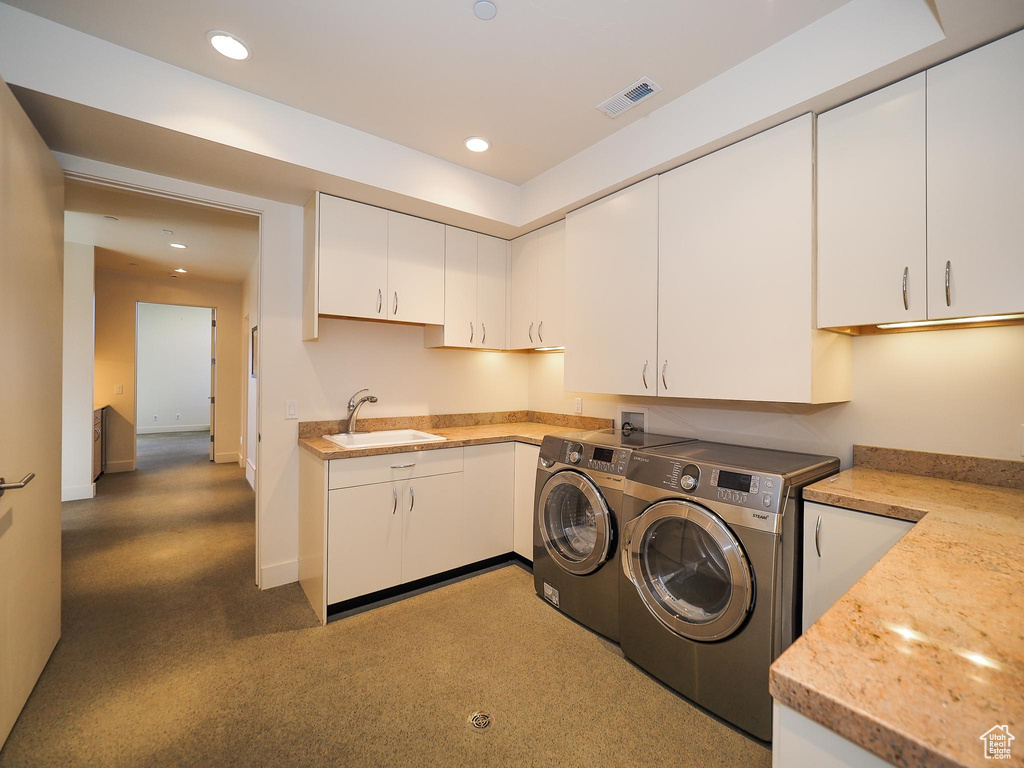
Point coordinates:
[(291, 409), (579, 405), (119, 389)]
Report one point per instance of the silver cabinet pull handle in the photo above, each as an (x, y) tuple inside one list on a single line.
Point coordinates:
[(817, 536), (412, 498), (643, 374), (471, 332), (663, 382), (396, 302), (403, 466), (5, 486), (483, 339), (906, 274), (948, 265), (531, 333), (540, 331), (394, 494), (380, 300)]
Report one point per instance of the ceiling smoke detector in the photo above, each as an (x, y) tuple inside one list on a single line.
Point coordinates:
[(629, 97), (485, 9)]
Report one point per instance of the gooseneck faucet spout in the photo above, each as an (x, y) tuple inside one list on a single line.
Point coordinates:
[(354, 404)]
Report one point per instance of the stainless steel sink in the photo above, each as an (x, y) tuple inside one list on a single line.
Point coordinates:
[(385, 437)]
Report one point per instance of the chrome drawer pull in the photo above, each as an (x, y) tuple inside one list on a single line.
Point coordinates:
[(948, 265), (403, 466), (412, 498), (643, 374), (471, 332), (906, 273), (540, 331), (394, 493), (663, 382), (817, 536), (531, 333), (380, 300)]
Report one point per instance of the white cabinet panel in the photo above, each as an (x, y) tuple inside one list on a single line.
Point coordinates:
[(353, 254), (364, 540), (526, 457), (976, 182), (799, 742), (491, 263), (871, 208), (611, 252), (523, 314), (840, 546), (394, 466), (432, 539), (461, 328), (415, 270), (488, 498), (551, 285), (736, 293)]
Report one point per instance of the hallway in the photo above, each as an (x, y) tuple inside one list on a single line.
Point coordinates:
[(171, 656)]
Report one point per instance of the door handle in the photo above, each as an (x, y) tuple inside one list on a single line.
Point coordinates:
[(948, 266), (471, 332), (817, 536), (663, 382), (906, 274), (394, 494), (483, 339), (540, 331), (531, 333), (412, 498), (643, 374), (380, 300), (396, 302), (5, 486)]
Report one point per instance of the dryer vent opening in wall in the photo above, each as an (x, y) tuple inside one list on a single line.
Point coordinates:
[(629, 97)]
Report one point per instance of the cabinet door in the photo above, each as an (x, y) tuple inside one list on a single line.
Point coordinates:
[(364, 540), (611, 322), (432, 540), (551, 285), (735, 307), (415, 270), (527, 457), (871, 208), (523, 317), (976, 182), (461, 328), (490, 291), (353, 259), (488, 497), (840, 546)]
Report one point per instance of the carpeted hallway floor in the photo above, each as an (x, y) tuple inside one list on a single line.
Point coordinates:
[(171, 657)]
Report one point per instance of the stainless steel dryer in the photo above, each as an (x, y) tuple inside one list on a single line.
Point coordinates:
[(575, 534), (709, 570)]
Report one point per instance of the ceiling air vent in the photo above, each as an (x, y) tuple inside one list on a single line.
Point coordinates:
[(629, 97)]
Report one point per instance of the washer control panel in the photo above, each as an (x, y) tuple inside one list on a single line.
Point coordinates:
[(741, 488), (612, 461)]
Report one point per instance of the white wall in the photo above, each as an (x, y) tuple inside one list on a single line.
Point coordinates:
[(77, 400), (173, 368), (959, 391)]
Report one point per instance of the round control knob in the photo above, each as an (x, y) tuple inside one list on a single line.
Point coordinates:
[(688, 482), (690, 478), (575, 453)]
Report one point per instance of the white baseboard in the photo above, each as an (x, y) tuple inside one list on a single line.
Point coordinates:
[(250, 474), (76, 492), (119, 466), (277, 575), (174, 428)]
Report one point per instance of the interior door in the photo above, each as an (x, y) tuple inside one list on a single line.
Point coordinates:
[(213, 379), (31, 309), (490, 293), (415, 270), (461, 327)]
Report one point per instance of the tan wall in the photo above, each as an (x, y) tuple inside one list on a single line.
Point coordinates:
[(116, 296), (956, 391)]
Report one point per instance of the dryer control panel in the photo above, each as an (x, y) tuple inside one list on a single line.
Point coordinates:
[(742, 488), (586, 456)]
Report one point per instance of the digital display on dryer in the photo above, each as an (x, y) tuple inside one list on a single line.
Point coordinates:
[(734, 481), (604, 454)]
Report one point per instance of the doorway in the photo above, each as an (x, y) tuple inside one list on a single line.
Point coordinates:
[(176, 373)]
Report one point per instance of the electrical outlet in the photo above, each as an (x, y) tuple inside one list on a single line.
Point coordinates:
[(119, 389), (291, 409), (579, 405)]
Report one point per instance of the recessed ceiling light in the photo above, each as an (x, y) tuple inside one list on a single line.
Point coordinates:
[(228, 45), (485, 9), (178, 245), (110, 218), (167, 231), (477, 144), (182, 271)]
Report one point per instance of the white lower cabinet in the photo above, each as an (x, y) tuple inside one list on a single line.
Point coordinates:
[(798, 741), (488, 492), (526, 458), (432, 526), (364, 539), (840, 546)]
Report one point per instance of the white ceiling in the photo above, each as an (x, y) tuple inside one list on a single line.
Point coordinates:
[(427, 74), (222, 245)]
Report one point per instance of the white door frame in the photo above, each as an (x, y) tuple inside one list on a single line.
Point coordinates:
[(170, 195)]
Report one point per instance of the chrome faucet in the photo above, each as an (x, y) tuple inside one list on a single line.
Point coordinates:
[(353, 408)]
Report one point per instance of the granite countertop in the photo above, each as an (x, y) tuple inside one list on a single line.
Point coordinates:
[(459, 429), (926, 652)]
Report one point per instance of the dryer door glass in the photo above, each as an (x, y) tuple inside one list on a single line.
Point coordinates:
[(690, 570), (574, 522)]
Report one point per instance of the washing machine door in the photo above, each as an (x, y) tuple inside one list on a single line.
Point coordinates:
[(574, 522), (689, 569)]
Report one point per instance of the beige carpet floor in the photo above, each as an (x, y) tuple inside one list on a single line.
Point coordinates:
[(171, 657)]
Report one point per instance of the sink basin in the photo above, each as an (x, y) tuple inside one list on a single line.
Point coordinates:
[(385, 437)]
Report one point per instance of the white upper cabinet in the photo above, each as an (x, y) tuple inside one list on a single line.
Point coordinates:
[(976, 182), (538, 289), (415, 270), (611, 308), (871, 209), (491, 267), (736, 292), (353, 257)]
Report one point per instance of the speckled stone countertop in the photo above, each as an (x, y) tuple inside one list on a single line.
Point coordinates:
[(459, 429), (926, 652)]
